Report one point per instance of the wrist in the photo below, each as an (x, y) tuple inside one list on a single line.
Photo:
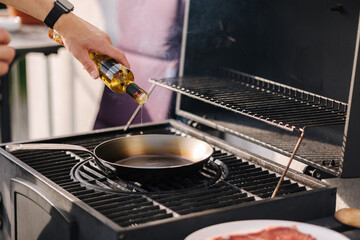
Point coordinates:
[(63, 22), (60, 8)]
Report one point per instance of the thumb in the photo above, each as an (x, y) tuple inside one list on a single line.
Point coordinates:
[(91, 68), (88, 64)]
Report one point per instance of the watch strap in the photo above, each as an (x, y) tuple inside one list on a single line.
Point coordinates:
[(54, 15)]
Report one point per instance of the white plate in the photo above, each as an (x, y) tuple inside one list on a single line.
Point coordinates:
[(251, 226), (12, 24)]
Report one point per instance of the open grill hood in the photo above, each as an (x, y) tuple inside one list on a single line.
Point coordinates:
[(227, 61)]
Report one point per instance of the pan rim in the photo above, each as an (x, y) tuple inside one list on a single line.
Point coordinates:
[(204, 159)]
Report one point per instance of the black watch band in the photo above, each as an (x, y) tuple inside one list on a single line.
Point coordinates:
[(60, 7)]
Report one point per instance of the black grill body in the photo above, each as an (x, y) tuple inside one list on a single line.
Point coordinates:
[(63, 194)]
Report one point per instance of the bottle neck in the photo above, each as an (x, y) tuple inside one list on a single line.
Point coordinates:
[(137, 93)]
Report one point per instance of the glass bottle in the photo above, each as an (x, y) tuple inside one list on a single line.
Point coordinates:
[(115, 75)]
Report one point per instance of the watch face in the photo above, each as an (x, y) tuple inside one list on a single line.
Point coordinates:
[(66, 4)]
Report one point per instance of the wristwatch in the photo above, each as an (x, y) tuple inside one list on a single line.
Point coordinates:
[(60, 7)]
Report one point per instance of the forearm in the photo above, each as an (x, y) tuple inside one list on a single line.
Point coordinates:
[(39, 9), (80, 37), (36, 8)]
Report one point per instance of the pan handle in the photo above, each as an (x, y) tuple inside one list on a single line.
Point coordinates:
[(106, 168)]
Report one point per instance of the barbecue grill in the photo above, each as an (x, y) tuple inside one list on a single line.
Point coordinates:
[(251, 122)]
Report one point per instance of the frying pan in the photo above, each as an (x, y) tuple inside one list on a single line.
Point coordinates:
[(140, 157)]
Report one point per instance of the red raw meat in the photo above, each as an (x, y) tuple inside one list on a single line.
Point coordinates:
[(271, 233)]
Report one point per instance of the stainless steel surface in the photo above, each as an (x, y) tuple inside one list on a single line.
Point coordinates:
[(44, 146), (107, 168), (270, 102)]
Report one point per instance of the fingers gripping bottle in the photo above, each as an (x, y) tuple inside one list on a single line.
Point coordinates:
[(115, 75)]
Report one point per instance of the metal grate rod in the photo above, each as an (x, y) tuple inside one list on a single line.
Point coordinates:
[(276, 104)]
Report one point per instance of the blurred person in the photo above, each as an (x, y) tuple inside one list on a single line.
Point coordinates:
[(7, 53), (149, 33), (79, 36)]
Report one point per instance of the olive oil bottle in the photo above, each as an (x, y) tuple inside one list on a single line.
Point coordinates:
[(115, 75)]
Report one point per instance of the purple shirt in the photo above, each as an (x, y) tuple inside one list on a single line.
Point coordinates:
[(150, 36)]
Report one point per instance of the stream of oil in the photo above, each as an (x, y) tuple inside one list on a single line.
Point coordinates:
[(141, 118)]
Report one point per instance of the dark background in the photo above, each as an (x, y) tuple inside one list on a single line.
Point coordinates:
[(306, 44)]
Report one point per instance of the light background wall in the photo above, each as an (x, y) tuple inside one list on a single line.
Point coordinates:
[(74, 95)]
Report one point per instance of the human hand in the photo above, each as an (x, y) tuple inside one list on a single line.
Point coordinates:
[(7, 53), (82, 38)]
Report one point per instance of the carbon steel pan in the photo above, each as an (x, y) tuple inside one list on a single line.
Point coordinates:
[(141, 157), (154, 156)]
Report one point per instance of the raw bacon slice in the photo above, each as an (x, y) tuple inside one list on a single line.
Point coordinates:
[(270, 233)]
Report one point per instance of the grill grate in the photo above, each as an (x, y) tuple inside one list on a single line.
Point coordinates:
[(316, 153), (267, 101), (240, 182)]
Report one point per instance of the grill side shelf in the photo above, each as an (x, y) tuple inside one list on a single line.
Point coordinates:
[(270, 102)]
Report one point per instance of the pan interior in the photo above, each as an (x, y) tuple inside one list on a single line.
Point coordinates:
[(153, 161), (153, 151)]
